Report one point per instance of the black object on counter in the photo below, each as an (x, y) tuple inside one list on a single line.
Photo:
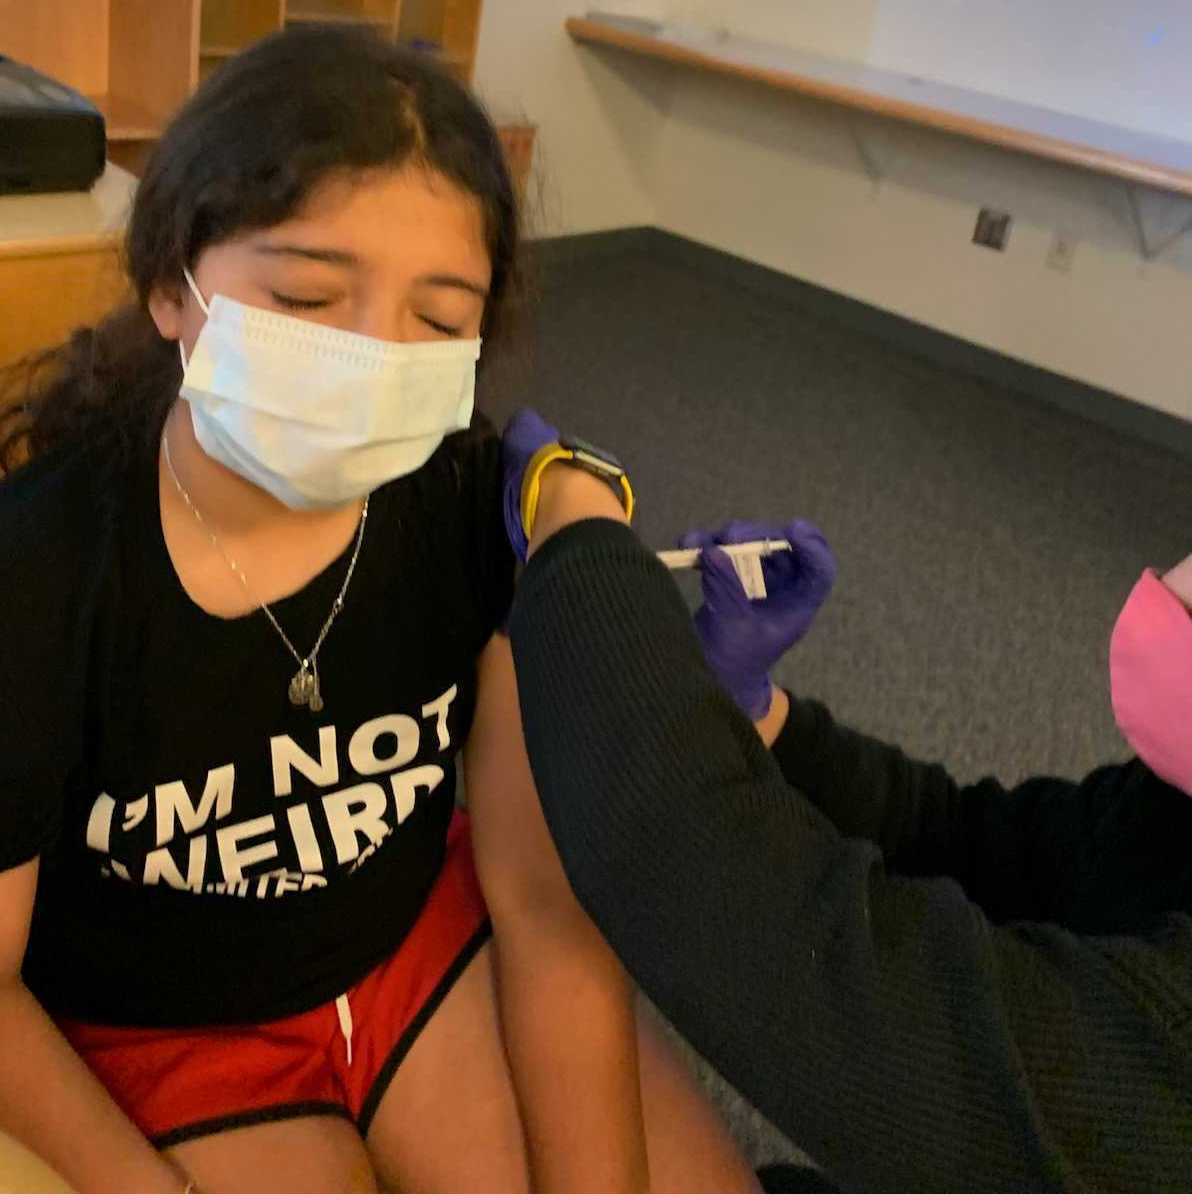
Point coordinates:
[(51, 138)]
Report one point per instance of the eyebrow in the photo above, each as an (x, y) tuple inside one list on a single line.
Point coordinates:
[(329, 256), (456, 283), (343, 258)]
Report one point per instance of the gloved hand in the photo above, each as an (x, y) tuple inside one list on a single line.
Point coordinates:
[(524, 434), (744, 639)]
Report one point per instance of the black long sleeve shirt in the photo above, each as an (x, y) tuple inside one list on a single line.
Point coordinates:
[(929, 987)]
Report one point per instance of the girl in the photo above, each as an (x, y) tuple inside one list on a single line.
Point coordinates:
[(252, 581)]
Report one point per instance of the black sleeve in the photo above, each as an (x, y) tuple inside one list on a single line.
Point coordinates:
[(48, 546), (881, 1021), (32, 777), (1003, 847)]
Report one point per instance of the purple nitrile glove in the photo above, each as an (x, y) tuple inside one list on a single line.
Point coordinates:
[(524, 434), (743, 639)]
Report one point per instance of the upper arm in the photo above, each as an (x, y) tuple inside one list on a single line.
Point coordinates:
[(53, 544), (516, 859), (17, 889)]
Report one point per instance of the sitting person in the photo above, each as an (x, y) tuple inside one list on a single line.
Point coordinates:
[(929, 986), (253, 581)]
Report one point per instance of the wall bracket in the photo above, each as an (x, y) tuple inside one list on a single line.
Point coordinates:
[(1161, 220)]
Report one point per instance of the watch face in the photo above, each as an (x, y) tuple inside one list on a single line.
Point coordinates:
[(605, 461)]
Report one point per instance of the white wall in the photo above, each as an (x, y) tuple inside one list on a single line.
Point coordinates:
[(778, 180), (836, 28), (598, 120), (1122, 61)]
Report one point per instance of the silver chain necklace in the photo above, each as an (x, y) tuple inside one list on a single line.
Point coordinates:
[(304, 687)]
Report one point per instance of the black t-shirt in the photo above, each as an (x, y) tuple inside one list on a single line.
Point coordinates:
[(209, 853)]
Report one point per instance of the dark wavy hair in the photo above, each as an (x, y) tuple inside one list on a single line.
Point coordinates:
[(245, 152)]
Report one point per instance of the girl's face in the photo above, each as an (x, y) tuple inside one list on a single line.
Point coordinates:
[(399, 255)]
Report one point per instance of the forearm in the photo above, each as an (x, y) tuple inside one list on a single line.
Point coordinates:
[(566, 1004), (570, 1034), (53, 1104), (1009, 850), (870, 790)]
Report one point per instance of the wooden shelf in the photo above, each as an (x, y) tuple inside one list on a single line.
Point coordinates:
[(339, 12), (1136, 157), (219, 51), (128, 120), (334, 18)]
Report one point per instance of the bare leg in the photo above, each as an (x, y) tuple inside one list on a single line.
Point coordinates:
[(311, 1155), (449, 1120)]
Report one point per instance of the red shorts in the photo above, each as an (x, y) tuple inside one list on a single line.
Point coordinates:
[(338, 1059)]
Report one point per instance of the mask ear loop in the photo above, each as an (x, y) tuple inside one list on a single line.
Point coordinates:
[(194, 289)]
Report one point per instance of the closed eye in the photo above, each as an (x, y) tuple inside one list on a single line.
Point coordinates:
[(292, 303), (440, 327)]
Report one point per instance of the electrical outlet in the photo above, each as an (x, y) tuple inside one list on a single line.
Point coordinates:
[(1062, 255), (993, 229)]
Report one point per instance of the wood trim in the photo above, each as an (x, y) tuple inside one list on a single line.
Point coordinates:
[(379, 14), (58, 246), (1084, 156)]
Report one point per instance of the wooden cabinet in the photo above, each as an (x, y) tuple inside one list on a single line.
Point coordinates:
[(227, 26), (139, 60), (65, 250), (447, 28)]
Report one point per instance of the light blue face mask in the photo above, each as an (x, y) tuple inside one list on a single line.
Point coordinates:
[(316, 416)]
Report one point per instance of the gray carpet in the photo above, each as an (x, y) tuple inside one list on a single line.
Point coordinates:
[(986, 540)]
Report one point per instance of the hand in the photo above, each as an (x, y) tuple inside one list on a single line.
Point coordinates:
[(743, 639), (524, 434)]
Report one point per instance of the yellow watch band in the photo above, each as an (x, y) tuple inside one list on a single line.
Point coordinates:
[(627, 498), (532, 484)]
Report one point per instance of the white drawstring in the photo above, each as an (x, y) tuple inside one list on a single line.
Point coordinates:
[(344, 1010)]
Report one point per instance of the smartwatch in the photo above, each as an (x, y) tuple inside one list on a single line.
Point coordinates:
[(579, 454)]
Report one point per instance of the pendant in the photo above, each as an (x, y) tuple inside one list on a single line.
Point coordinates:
[(302, 686), (304, 689)]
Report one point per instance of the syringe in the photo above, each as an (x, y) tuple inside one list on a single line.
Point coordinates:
[(678, 560), (746, 557)]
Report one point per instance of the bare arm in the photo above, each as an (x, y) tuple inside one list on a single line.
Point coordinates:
[(49, 1100), (566, 1004)]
